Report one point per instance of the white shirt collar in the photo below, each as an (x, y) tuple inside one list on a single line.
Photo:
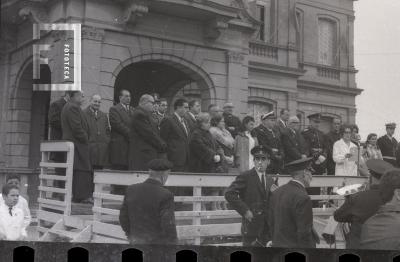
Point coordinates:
[(192, 115), (179, 118), (260, 175)]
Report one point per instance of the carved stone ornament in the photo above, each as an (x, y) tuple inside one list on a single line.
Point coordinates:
[(132, 12), (33, 11), (214, 28), (92, 33), (235, 57)]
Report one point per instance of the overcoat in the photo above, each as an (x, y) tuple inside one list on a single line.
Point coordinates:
[(120, 121), (203, 148), (294, 144)]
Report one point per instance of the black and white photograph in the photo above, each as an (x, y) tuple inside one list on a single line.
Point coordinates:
[(223, 123)]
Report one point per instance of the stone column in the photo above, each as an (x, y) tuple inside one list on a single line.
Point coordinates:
[(237, 77)]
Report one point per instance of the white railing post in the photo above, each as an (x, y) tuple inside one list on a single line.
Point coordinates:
[(197, 207)]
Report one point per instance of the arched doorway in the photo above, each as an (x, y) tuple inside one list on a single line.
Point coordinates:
[(168, 79), (28, 122)]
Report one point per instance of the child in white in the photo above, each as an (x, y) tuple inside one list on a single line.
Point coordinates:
[(12, 226)]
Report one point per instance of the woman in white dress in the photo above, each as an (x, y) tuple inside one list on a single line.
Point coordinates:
[(345, 154)]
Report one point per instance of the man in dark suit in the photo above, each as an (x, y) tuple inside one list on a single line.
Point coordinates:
[(293, 141), (333, 136), (147, 213), (120, 121), (282, 122), (146, 143), (360, 206), (388, 144), (175, 132), (190, 116), (54, 117), (76, 129), (160, 111), (99, 133), (270, 138), (249, 195), (232, 122), (291, 209)]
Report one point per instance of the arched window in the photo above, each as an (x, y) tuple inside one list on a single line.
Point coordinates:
[(327, 42)]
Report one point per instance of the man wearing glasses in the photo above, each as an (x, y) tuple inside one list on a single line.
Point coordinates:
[(249, 195), (145, 141)]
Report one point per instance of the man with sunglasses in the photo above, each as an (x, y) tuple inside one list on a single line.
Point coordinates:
[(291, 209), (249, 195)]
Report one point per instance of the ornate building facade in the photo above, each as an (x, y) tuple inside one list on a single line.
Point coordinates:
[(261, 55)]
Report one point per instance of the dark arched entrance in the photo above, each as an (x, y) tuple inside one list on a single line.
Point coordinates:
[(169, 81)]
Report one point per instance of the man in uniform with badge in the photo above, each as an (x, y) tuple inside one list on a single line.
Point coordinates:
[(269, 137), (316, 143), (249, 195), (358, 207), (291, 215), (388, 144)]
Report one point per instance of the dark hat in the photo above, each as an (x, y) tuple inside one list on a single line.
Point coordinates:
[(315, 117), (378, 167), (260, 151), (159, 164), (390, 125), (269, 115), (300, 164)]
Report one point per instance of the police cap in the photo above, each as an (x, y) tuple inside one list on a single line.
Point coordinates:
[(390, 125), (269, 115), (159, 164), (298, 165), (260, 150), (378, 167), (315, 117)]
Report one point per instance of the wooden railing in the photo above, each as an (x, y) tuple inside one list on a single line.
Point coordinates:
[(196, 224), (51, 210)]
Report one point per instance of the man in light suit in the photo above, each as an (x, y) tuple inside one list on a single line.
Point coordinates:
[(175, 132), (120, 121)]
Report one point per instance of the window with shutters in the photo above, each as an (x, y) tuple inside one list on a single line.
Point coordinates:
[(327, 40), (260, 12)]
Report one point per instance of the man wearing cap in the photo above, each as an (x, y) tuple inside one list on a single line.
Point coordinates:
[(293, 141), (249, 195), (291, 209), (388, 144), (147, 213), (316, 144), (358, 207), (270, 138), (382, 231), (232, 123)]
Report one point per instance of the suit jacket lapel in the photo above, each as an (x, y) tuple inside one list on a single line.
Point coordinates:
[(177, 122), (258, 182)]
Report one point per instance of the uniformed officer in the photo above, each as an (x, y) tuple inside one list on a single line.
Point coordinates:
[(147, 213), (388, 144), (270, 138), (249, 195), (358, 207), (316, 143), (291, 209)]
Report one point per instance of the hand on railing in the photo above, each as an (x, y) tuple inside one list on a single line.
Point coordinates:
[(217, 158), (269, 244)]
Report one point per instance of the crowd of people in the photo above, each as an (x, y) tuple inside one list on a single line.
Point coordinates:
[(215, 141)]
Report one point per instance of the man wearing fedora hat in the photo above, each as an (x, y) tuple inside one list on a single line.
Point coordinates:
[(358, 207), (269, 137), (249, 195), (388, 144), (147, 213), (291, 216)]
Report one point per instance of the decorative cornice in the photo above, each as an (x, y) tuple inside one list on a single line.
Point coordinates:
[(92, 33), (34, 11), (214, 28), (327, 87), (132, 11), (295, 72), (235, 57)]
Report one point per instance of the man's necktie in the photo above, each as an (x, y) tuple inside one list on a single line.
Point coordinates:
[(9, 211), (184, 126), (263, 182)]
